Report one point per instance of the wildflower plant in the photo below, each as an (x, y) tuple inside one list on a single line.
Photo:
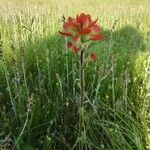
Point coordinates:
[(81, 33)]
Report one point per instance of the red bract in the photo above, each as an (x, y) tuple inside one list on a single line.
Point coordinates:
[(92, 57), (82, 26), (73, 47), (96, 37), (69, 44)]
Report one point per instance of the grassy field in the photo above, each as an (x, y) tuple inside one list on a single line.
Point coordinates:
[(39, 78)]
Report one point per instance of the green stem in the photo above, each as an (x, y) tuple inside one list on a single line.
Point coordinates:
[(81, 117)]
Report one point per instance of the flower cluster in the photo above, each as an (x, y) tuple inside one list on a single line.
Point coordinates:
[(80, 30)]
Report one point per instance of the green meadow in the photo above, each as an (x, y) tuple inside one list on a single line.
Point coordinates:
[(39, 77)]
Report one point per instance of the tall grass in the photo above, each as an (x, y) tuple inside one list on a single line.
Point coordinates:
[(39, 78)]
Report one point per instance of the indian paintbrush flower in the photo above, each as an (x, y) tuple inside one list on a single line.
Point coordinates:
[(93, 57), (81, 31)]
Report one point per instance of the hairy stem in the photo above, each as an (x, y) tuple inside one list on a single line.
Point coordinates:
[(81, 117)]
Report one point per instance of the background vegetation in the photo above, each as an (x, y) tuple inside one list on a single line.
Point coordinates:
[(39, 83)]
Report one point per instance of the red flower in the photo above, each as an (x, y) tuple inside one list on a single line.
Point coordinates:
[(82, 25), (93, 57)]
